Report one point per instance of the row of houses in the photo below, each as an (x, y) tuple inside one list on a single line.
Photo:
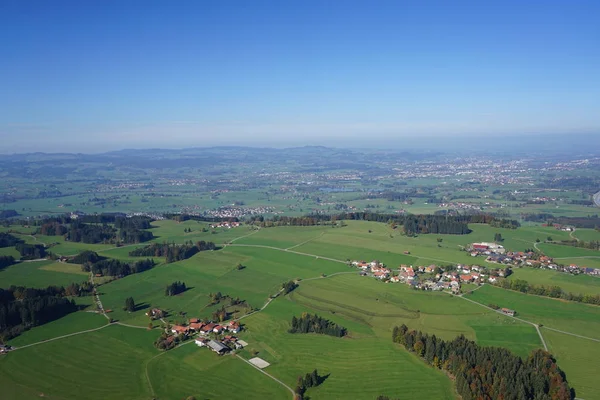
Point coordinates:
[(196, 326), (224, 224)]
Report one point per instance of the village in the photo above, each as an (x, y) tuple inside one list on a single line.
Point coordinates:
[(495, 253), (432, 277)]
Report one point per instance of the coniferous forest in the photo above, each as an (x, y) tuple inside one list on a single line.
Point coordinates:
[(116, 268), (308, 323), (172, 252), (488, 372), (8, 240), (22, 308)]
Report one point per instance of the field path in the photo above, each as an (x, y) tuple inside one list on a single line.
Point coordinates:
[(158, 355), (59, 337), (269, 375), (306, 241), (572, 334), (537, 328), (241, 237), (97, 297), (290, 251)]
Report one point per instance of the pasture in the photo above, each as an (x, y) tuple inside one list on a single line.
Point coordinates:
[(578, 318), (583, 284), (368, 308), (41, 274)]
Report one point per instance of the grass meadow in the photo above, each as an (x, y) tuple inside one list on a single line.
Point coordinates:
[(584, 284), (116, 361)]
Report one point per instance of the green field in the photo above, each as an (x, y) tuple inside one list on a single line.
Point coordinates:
[(41, 274), (368, 308), (583, 284)]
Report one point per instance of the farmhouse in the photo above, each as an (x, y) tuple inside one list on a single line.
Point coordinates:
[(508, 312), (179, 329), (208, 328), (234, 327)]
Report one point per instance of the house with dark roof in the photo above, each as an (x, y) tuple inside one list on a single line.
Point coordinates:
[(217, 347)]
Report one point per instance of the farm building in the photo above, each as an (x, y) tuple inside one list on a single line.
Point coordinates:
[(508, 311), (217, 347)]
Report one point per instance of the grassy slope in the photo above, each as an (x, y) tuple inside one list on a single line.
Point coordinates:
[(39, 274), (575, 356), (582, 319), (391, 370), (569, 283), (98, 365)]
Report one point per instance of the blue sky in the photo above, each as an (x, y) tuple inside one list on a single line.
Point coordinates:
[(98, 75)]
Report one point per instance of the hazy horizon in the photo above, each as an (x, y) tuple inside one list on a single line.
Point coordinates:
[(100, 76)]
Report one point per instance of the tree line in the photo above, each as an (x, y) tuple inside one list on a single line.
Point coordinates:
[(31, 251), (8, 240), (553, 291), (412, 224), (117, 268), (171, 251), (592, 244), (22, 308), (6, 261), (488, 372), (308, 323), (86, 256)]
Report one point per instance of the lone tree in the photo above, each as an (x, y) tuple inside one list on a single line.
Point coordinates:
[(129, 304), (498, 238)]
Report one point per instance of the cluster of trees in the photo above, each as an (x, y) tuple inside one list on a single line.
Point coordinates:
[(591, 221), (592, 245), (288, 287), (87, 233), (129, 304), (86, 256), (549, 291), (220, 314), (8, 240), (413, 224), (116, 268), (6, 261), (104, 233), (165, 342), (504, 223), (311, 379), (488, 372), (175, 288), (308, 323), (22, 308), (498, 238), (133, 223), (31, 251), (171, 251), (53, 228)]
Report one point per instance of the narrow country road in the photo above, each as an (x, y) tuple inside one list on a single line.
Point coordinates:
[(269, 375), (537, 328), (572, 334), (59, 337)]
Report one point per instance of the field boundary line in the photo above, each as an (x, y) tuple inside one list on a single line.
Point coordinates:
[(241, 237), (269, 375), (572, 334), (158, 355), (290, 251), (60, 337), (306, 241), (518, 319)]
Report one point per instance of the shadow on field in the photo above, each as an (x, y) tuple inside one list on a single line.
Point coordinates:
[(141, 306)]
